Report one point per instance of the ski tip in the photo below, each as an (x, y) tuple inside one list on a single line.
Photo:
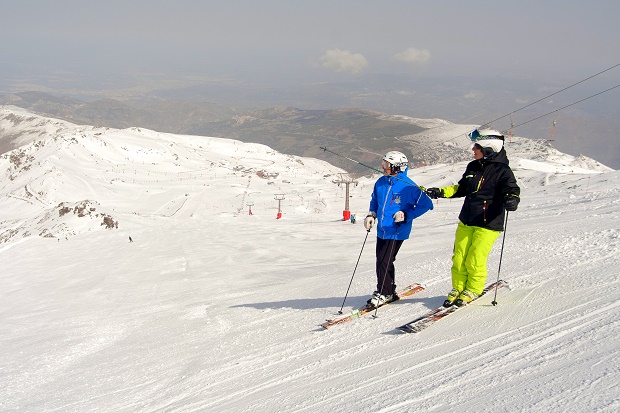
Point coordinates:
[(405, 329)]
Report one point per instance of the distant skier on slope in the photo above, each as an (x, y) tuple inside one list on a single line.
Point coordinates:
[(489, 187), (396, 201)]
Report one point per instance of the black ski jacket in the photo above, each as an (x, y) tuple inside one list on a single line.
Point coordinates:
[(484, 185)]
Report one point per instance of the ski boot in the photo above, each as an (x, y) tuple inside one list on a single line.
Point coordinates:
[(378, 299), (465, 298), (452, 296)]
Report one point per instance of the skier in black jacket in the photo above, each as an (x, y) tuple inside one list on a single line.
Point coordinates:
[(489, 187)]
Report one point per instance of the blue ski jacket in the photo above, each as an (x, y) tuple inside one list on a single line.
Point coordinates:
[(397, 193)]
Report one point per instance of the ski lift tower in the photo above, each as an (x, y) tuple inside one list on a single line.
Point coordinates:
[(279, 198), (553, 129), (347, 181)]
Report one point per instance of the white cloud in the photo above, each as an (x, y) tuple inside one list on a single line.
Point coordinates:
[(474, 95), (414, 56), (343, 61)]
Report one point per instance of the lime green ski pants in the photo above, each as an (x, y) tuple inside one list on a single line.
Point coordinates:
[(472, 246)]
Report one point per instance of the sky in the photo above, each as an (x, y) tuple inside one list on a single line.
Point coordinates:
[(467, 62), (211, 309), (316, 39)]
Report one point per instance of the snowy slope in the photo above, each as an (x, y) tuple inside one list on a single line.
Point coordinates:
[(211, 309), (136, 172)]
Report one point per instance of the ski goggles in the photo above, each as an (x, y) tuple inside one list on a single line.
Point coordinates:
[(475, 136)]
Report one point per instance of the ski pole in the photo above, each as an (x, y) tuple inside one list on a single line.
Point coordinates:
[(355, 269), (501, 253)]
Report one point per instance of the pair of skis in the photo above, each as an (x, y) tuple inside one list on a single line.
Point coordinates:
[(420, 323), (405, 292)]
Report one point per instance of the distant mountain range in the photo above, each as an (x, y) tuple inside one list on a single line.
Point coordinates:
[(358, 133)]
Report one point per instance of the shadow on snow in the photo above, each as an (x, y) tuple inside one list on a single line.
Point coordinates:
[(335, 303)]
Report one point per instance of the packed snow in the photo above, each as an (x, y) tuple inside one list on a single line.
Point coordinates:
[(214, 309)]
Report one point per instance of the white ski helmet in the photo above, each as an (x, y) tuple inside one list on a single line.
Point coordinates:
[(490, 140), (397, 160)]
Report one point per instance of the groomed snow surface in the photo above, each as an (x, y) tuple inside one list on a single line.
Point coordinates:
[(211, 309)]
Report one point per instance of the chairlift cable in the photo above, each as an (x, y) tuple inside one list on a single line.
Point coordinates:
[(564, 107), (553, 94)]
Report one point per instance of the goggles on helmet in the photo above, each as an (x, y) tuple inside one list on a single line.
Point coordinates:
[(477, 135)]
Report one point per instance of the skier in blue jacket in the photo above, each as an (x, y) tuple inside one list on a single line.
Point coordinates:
[(396, 201)]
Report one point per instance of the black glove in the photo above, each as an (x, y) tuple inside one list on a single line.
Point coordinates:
[(434, 193), (511, 202)]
